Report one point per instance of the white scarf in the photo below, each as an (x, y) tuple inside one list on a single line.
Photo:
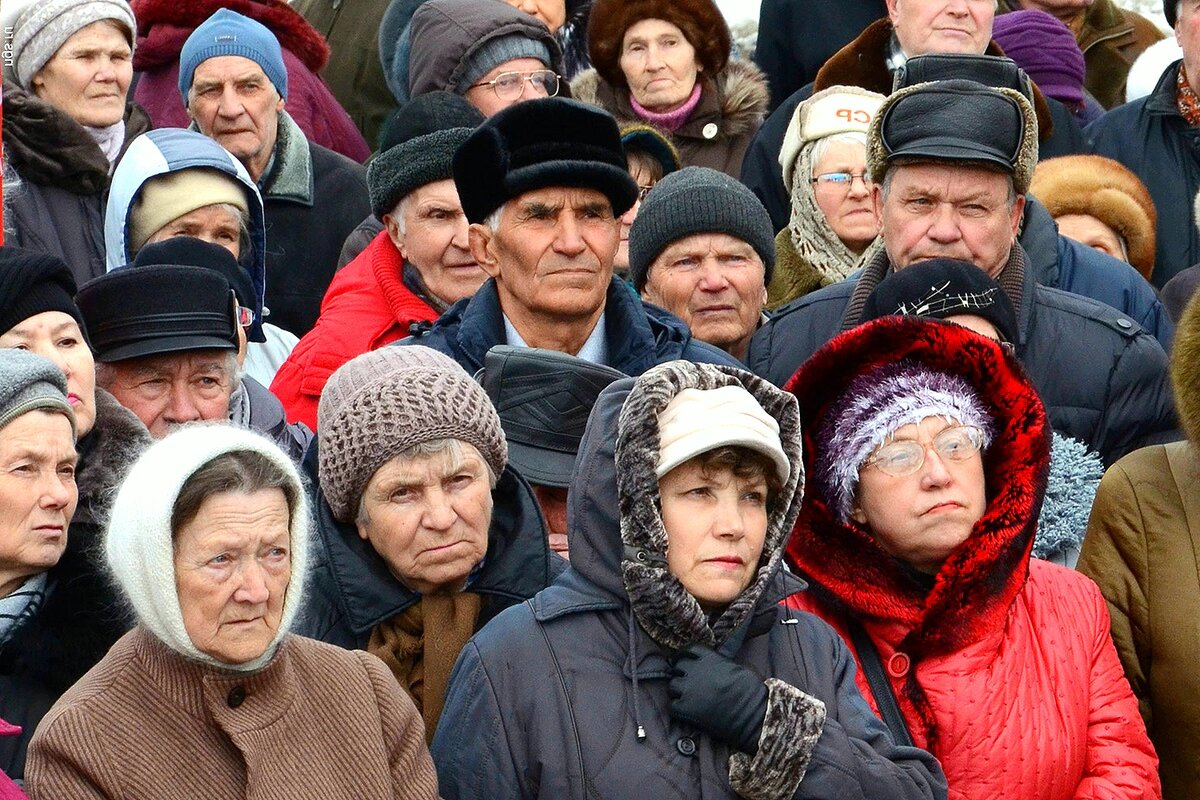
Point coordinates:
[(110, 141)]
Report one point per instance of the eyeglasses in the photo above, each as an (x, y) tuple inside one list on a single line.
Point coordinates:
[(245, 316), (842, 180), (511, 85), (642, 192), (905, 457)]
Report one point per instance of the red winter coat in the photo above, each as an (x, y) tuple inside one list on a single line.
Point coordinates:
[(163, 27), (1004, 669), (367, 306)]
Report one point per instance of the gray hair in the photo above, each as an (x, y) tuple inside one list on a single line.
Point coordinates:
[(398, 212), (822, 145), (493, 219), (450, 449)]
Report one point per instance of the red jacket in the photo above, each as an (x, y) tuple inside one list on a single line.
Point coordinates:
[(367, 306)]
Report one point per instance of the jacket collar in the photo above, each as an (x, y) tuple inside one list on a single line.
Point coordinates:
[(291, 176), (1163, 99)]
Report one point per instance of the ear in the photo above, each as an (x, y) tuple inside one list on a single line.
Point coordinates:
[(392, 226), (892, 9), (1018, 211), (279, 105), (482, 242), (856, 514), (361, 528)]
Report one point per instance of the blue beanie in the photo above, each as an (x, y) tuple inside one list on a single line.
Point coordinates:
[(228, 33)]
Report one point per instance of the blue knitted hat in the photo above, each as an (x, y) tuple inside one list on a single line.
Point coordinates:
[(228, 33)]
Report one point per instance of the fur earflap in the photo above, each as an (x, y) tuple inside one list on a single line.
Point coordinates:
[(1185, 370), (1104, 189), (700, 20)]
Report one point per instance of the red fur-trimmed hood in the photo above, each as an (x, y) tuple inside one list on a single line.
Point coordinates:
[(164, 25), (980, 580)]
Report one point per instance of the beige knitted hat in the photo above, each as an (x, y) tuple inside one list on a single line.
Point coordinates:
[(383, 402), (167, 197)]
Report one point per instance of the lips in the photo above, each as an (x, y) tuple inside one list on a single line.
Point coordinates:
[(949, 505), (728, 561), (73, 399)]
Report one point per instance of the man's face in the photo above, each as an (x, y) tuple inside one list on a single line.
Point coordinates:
[(172, 389), (233, 101), (1187, 34), (942, 26), (715, 284), (551, 254), (429, 229), (939, 210)]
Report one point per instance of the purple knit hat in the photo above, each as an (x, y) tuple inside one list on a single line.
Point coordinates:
[(873, 407), (1046, 49)]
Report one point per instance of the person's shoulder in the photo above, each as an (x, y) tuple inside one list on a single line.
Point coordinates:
[(1062, 592), (1087, 313), (94, 693), (326, 163)]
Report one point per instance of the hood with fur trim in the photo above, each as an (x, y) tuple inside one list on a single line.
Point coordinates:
[(1185, 370), (614, 487)]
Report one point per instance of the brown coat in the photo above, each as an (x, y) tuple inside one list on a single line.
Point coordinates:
[(316, 722)]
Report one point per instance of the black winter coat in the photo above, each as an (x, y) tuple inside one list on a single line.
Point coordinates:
[(1150, 138)]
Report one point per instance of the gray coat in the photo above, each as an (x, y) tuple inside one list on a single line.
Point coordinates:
[(547, 700)]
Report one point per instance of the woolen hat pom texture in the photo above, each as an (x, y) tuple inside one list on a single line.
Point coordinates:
[(39, 29), (701, 22), (29, 382), (139, 543), (228, 33), (381, 403)]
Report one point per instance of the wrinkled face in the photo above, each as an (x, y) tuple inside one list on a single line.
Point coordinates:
[(56, 336), (1063, 9), (552, 252), (88, 77), (214, 224), (233, 101), (937, 210), (848, 207), (715, 284), (921, 518), (553, 13), (645, 182), (429, 229), (1187, 34), (659, 64), (233, 563), (716, 524), (428, 516), (553, 502), (486, 98), (1086, 229), (37, 495), (173, 389), (942, 26)]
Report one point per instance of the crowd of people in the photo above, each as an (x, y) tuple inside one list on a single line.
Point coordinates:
[(479, 399)]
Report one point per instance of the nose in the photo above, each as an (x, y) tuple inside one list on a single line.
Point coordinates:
[(712, 277), (462, 236), (230, 104), (957, 7), (254, 585), (943, 226), (933, 472), (728, 522), (181, 407), (568, 241), (629, 216), (439, 511), (859, 187), (653, 58), (57, 492)]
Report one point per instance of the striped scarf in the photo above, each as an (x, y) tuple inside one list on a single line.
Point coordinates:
[(21, 606)]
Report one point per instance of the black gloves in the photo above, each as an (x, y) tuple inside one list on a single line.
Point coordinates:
[(718, 696)]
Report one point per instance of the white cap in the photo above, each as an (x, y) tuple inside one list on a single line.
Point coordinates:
[(838, 109), (699, 420)]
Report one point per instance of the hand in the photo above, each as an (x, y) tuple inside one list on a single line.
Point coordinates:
[(719, 696)]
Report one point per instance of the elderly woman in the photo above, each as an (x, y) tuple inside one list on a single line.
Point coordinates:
[(425, 532), (38, 495), (66, 121), (928, 451), (834, 228), (209, 542), (667, 63), (651, 157), (1140, 550), (698, 683), (79, 618)]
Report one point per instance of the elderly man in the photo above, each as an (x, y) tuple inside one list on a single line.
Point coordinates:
[(167, 332), (234, 85), (412, 271), (702, 247), (543, 185), (946, 188), (1155, 137), (871, 61)]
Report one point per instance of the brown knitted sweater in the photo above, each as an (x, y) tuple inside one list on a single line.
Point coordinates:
[(316, 722)]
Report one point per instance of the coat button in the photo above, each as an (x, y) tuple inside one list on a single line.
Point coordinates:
[(687, 746), (237, 696), (1124, 323), (710, 130), (898, 665)]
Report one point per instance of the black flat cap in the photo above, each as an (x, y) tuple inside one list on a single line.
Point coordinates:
[(544, 398), (941, 288), (187, 251), (160, 308), (551, 141), (1000, 72)]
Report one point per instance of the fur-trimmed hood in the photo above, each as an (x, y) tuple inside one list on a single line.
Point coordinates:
[(1185, 370), (164, 25), (615, 488)]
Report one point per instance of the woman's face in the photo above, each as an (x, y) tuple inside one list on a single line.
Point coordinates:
[(552, 12), (921, 518), (233, 563), (847, 206), (659, 64), (716, 523), (56, 336), (1086, 229), (37, 495), (215, 224), (88, 78), (645, 182), (427, 517)]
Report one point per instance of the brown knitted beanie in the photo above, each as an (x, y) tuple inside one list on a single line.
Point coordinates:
[(381, 403)]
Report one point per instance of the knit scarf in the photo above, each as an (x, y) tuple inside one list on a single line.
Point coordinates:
[(110, 140), (421, 644), (1186, 99), (671, 121), (21, 606)]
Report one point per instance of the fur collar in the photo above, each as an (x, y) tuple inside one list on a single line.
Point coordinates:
[(160, 20), (1185, 371), (739, 102), (863, 63), (107, 453), (291, 178)]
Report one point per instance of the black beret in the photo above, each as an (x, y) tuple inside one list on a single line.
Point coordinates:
[(551, 141), (1169, 9), (31, 283)]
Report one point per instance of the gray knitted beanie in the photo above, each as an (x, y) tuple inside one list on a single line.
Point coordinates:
[(698, 200), (43, 27), (29, 382), (381, 403), (493, 53)]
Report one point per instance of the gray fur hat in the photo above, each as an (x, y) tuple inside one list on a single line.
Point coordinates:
[(29, 382), (698, 200)]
